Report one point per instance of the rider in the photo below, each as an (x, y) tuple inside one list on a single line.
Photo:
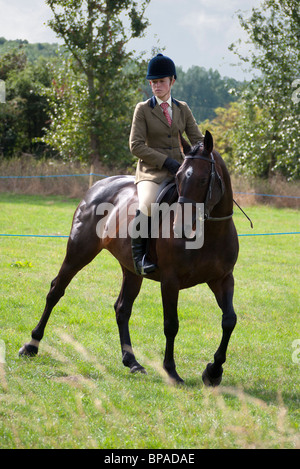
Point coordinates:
[(154, 139)]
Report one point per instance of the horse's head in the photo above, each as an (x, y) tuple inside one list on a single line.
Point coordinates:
[(198, 181)]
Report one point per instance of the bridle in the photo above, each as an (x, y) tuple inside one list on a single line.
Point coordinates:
[(213, 175)]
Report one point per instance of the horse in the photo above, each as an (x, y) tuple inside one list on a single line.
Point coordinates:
[(201, 179)]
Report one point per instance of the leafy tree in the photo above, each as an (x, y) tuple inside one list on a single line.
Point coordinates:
[(267, 134), (14, 60), (67, 98), (222, 128), (33, 51), (204, 90), (24, 113), (96, 33)]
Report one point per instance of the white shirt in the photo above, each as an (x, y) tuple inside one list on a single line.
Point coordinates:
[(169, 101)]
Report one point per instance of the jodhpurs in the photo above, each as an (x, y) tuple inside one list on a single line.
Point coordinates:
[(147, 194)]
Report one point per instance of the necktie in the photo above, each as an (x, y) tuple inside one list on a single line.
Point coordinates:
[(166, 112)]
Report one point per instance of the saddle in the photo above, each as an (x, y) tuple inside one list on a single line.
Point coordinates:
[(168, 193)]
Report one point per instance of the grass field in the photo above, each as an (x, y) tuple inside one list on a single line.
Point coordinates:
[(77, 393)]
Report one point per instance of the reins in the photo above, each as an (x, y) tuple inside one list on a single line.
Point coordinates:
[(251, 224), (213, 174)]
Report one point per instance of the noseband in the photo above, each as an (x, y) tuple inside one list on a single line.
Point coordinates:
[(213, 174)]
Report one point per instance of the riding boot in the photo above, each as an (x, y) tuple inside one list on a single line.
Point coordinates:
[(139, 245)]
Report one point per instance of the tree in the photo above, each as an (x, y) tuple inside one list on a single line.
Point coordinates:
[(23, 115), (67, 98), (222, 128), (96, 33), (267, 134), (204, 90)]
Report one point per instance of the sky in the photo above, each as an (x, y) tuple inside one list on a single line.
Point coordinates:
[(192, 32)]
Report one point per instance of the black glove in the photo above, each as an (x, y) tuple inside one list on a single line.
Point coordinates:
[(171, 165)]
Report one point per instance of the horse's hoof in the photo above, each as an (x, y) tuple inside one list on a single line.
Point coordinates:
[(138, 369), (173, 376), (176, 381), (208, 380), (28, 351)]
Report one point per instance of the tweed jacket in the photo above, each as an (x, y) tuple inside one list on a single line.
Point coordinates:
[(152, 139)]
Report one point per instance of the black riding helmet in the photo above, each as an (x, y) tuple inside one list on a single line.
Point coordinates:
[(161, 66)]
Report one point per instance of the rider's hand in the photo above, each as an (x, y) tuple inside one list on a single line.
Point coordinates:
[(171, 165)]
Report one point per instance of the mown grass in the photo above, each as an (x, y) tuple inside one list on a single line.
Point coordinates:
[(77, 394)]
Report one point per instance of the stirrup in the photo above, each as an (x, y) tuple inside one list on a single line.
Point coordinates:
[(152, 269)]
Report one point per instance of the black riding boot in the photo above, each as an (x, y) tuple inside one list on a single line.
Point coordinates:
[(139, 245)]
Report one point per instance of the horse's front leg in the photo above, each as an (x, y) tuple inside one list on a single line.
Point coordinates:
[(169, 291), (223, 290)]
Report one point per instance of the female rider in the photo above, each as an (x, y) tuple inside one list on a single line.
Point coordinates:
[(154, 140)]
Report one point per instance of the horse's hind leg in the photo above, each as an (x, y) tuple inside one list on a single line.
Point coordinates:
[(223, 291), (130, 289), (78, 255)]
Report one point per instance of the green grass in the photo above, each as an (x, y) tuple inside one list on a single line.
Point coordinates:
[(77, 393)]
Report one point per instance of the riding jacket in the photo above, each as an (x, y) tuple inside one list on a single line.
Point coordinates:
[(152, 139)]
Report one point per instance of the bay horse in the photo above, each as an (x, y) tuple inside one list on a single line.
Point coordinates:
[(202, 178)]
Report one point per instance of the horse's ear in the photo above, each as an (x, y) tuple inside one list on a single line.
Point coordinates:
[(208, 142), (184, 145)]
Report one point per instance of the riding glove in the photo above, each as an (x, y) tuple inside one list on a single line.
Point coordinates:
[(171, 165)]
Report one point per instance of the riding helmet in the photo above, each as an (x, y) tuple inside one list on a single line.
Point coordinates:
[(161, 66)]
